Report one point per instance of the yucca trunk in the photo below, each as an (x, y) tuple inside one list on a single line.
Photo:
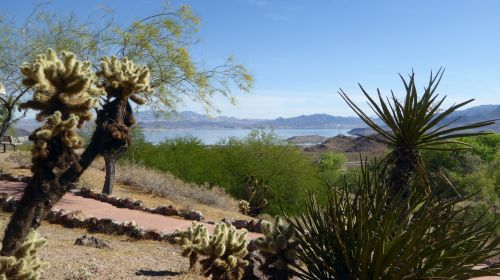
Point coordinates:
[(402, 172)]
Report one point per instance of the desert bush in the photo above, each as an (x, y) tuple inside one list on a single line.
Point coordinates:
[(278, 247), (229, 164), (25, 264), (370, 235), (20, 158), (166, 185), (221, 255)]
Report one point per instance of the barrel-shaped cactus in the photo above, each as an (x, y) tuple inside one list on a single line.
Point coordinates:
[(278, 248), (25, 265)]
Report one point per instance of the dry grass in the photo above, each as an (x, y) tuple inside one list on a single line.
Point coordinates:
[(127, 259), (165, 185), (21, 158)]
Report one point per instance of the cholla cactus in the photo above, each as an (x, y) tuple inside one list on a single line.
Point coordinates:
[(225, 253), (190, 238), (244, 206), (222, 254), (25, 265), (61, 84), (278, 247), (125, 77)]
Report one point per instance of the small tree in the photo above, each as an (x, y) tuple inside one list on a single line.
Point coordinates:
[(414, 124)]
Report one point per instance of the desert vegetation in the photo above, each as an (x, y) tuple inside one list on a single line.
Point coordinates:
[(428, 208)]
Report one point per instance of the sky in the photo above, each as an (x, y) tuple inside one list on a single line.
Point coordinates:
[(301, 52)]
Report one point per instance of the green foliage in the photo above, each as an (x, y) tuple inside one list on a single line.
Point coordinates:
[(369, 235), (25, 265), (221, 255), (278, 247), (256, 192), (284, 168), (331, 167)]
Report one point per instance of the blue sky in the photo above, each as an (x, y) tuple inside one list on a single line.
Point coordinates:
[(301, 52)]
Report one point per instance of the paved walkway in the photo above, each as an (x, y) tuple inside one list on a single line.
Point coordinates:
[(102, 210)]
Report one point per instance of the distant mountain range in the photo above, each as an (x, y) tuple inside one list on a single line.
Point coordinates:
[(187, 119), (190, 119)]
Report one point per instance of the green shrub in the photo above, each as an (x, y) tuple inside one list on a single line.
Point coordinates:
[(366, 235), (229, 164)]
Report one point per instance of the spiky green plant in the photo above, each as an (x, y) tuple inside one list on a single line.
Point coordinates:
[(278, 248), (414, 124), (188, 239), (221, 255), (369, 235), (25, 264)]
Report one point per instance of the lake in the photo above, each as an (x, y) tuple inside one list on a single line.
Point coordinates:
[(212, 136)]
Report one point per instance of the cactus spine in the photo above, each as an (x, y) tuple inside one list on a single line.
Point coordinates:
[(25, 265), (278, 248), (221, 255)]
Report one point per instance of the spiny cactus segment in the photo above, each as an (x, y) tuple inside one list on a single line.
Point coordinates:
[(190, 238), (125, 78), (63, 84), (222, 254), (278, 248), (25, 265)]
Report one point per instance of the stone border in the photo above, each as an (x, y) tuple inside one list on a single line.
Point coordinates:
[(77, 219), (134, 204)]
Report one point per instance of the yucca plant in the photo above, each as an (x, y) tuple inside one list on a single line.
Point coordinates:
[(369, 235), (414, 124)]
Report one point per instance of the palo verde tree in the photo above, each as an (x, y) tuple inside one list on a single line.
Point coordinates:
[(159, 41), (414, 124)]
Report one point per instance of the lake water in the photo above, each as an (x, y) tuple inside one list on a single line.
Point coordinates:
[(212, 136)]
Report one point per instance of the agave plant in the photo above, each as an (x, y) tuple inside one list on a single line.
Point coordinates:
[(369, 235), (412, 125)]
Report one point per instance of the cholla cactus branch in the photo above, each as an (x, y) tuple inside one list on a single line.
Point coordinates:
[(63, 84), (190, 238), (25, 265), (278, 248), (124, 79)]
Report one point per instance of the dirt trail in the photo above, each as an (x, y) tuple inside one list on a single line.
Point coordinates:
[(103, 210)]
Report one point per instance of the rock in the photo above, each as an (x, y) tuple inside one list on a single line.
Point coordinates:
[(258, 226), (138, 205), (194, 215), (167, 211), (74, 219), (128, 203), (153, 235), (251, 226), (10, 203), (106, 226), (228, 221), (239, 224), (91, 241)]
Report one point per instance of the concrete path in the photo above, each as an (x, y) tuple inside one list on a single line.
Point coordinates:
[(102, 210)]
